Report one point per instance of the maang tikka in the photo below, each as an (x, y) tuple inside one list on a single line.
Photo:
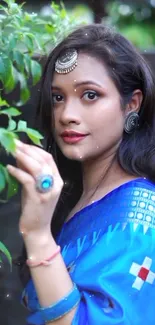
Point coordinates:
[(67, 61)]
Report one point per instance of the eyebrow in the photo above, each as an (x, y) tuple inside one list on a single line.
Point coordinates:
[(79, 84)]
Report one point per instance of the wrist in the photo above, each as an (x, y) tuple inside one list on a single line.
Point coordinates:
[(40, 245)]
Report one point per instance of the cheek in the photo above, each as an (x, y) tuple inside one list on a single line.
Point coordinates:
[(108, 127), (55, 119)]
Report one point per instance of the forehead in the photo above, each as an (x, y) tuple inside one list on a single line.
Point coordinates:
[(88, 68)]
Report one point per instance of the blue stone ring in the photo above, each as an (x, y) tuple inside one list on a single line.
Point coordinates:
[(44, 183)]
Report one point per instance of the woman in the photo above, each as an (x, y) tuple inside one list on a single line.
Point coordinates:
[(97, 112)]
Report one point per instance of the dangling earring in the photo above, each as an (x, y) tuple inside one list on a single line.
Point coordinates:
[(131, 122)]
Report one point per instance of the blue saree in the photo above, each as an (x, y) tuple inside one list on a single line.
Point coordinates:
[(109, 250)]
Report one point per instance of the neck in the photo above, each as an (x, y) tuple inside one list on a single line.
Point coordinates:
[(105, 172)]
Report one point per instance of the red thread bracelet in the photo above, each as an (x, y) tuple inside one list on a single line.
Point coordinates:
[(46, 262)]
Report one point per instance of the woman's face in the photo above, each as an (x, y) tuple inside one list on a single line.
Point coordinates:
[(86, 101)]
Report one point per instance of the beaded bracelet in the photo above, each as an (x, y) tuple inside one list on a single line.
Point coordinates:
[(62, 307), (31, 263)]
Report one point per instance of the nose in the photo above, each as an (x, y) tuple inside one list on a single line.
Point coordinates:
[(70, 113)]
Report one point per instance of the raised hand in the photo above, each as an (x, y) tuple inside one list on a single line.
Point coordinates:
[(37, 207)]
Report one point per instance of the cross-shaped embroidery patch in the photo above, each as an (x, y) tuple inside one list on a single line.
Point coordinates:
[(142, 273)]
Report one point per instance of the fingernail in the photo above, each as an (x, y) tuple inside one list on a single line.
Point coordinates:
[(13, 154), (16, 152), (9, 167)]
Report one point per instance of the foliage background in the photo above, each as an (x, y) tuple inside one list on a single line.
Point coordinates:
[(24, 39), (134, 19)]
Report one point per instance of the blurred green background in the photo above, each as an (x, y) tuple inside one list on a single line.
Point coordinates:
[(134, 19)]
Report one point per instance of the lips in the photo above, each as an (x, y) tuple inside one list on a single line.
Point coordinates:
[(72, 137), (72, 134)]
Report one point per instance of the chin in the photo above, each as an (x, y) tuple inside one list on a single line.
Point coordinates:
[(74, 157), (72, 154)]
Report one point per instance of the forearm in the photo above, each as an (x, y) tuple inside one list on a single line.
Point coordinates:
[(51, 282)]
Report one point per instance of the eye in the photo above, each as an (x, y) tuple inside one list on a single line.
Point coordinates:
[(91, 95), (57, 98)]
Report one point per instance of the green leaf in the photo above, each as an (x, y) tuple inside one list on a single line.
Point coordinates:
[(14, 8), (10, 111), (29, 41), (7, 140), (2, 178), (36, 71), (35, 133), (3, 102), (50, 28), (22, 126), (10, 85), (35, 136), (6, 73), (18, 57), (12, 184), (27, 17), (27, 63), (63, 14), (24, 95), (55, 7), (5, 251), (13, 39), (24, 91), (11, 125), (4, 69), (34, 139)]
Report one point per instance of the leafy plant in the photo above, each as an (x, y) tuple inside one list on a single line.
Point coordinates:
[(5, 251), (25, 37)]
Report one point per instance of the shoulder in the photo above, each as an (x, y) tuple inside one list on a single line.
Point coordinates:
[(135, 202), (138, 192), (138, 189)]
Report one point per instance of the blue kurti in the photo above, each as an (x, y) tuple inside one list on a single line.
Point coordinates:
[(109, 250)]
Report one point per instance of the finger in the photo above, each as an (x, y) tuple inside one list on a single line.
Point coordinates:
[(29, 183), (31, 165), (24, 178), (47, 157), (39, 154), (30, 150)]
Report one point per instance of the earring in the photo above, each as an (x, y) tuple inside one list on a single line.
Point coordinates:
[(131, 122)]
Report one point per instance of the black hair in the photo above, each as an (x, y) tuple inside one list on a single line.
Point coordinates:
[(129, 71)]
